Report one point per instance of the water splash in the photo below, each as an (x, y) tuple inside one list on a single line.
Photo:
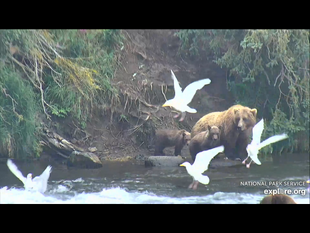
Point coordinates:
[(118, 195), (78, 180)]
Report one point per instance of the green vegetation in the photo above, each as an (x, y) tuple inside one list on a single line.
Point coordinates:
[(58, 72), (269, 70), (18, 107)]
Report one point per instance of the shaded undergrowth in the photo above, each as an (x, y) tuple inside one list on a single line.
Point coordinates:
[(268, 70)]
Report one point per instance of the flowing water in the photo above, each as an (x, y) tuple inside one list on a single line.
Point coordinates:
[(120, 182)]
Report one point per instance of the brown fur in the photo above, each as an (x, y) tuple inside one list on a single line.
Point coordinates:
[(237, 123), (278, 199), (205, 140), (170, 138)]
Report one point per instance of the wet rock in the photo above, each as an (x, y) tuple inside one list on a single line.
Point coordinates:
[(163, 161), (66, 183), (83, 160), (218, 163)]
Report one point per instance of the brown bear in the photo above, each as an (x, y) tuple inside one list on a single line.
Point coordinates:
[(277, 199), (170, 138), (236, 122), (205, 140)]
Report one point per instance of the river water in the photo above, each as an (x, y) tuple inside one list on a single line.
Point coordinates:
[(127, 182)]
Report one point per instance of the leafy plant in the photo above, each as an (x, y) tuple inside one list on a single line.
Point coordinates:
[(271, 70), (65, 72), (122, 117), (18, 114)]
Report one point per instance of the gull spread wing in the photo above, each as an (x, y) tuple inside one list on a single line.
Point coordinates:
[(257, 131), (191, 89), (13, 168), (203, 159), (272, 139), (177, 88), (41, 181)]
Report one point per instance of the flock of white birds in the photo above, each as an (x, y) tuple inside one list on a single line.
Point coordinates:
[(179, 102)]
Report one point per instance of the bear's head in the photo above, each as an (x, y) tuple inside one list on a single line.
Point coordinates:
[(186, 137), (245, 118), (214, 132)]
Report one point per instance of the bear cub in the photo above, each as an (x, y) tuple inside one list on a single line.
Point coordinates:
[(171, 138), (205, 140)]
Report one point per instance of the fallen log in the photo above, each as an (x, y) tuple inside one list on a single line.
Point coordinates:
[(54, 145), (84, 160)]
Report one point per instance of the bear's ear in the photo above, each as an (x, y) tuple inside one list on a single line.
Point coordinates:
[(220, 127), (236, 110), (209, 127), (254, 111), (185, 133)]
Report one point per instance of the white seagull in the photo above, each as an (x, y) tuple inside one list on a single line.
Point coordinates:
[(254, 147), (201, 165), (39, 183), (182, 99)]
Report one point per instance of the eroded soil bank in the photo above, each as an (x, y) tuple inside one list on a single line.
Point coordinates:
[(124, 130)]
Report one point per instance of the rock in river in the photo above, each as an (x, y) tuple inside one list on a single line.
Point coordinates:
[(175, 161), (163, 161), (218, 163)]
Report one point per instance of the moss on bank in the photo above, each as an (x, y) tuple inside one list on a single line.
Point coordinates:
[(60, 73)]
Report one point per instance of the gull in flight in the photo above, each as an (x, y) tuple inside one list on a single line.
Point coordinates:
[(182, 99), (201, 165), (254, 147), (39, 183)]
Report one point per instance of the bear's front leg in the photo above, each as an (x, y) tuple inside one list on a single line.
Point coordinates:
[(241, 145), (241, 153), (230, 153), (177, 150), (178, 147)]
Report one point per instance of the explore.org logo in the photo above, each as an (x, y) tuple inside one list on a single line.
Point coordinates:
[(287, 187)]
